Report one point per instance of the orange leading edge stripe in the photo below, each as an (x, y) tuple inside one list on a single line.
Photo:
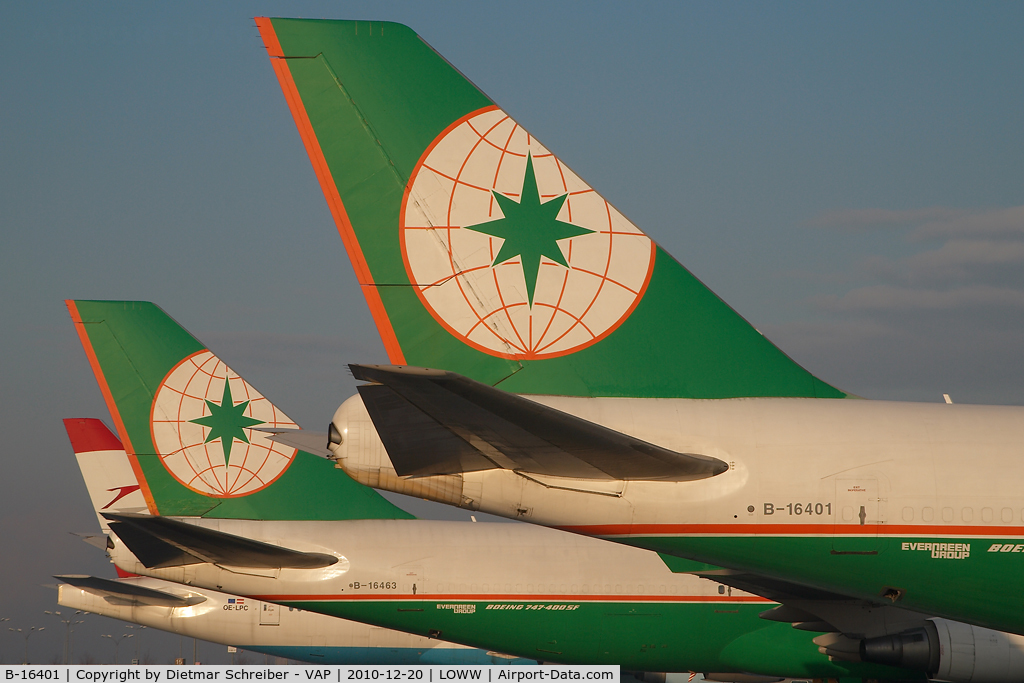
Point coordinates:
[(330, 189), (101, 380)]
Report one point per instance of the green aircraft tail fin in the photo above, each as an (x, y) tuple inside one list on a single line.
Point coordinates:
[(480, 252), (194, 429)]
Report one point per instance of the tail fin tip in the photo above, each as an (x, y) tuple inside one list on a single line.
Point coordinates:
[(88, 434)]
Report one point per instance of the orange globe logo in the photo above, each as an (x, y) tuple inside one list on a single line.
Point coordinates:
[(202, 424), (510, 250)]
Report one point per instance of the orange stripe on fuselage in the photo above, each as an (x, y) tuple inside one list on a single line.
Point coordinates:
[(101, 380), (516, 598), (640, 530), (330, 190)]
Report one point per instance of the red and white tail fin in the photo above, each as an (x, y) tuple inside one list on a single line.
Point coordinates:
[(112, 483)]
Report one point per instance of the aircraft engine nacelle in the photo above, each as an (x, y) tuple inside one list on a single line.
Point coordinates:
[(951, 651)]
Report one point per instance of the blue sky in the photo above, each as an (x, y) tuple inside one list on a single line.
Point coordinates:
[(848, 176)]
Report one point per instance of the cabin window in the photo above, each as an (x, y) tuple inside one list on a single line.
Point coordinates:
[(947, 514), (986, 514), (1007, 515), (967, 514), (927, 514), (908, 514)]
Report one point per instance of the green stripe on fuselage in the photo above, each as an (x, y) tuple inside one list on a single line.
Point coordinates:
[(983, 584), (641, 636)]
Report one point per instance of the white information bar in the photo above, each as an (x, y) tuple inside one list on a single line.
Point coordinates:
[(163, 673)]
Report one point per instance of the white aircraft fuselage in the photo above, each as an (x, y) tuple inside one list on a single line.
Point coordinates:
[(917, 505), (271, 629), (515, 589)]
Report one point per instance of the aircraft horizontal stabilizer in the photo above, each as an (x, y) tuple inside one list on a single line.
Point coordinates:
[(303, 439), (125, 593), (165, 542), (95, 540), (437, 422)]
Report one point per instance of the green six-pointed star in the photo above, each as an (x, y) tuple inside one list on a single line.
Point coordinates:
[(530, 229), (226, 421)]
